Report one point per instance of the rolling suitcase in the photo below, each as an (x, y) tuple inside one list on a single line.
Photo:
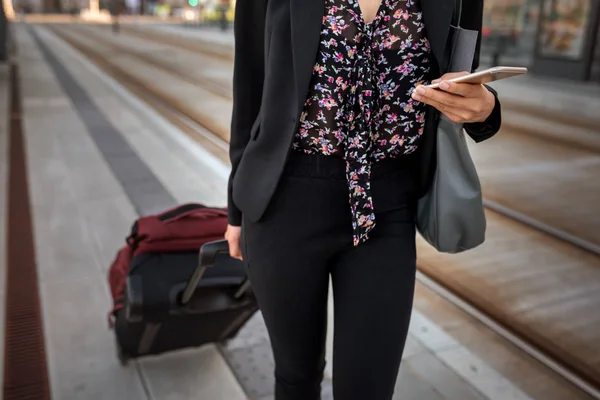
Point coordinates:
[(170, 300)]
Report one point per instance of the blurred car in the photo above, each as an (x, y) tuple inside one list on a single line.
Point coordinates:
[(212, 12), (162, 10), (189, 14)]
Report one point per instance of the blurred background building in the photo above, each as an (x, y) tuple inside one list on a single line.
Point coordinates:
[(187, 10), (552, 37)]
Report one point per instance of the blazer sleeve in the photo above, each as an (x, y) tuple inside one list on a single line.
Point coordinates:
[(248, 78), (472, 18)]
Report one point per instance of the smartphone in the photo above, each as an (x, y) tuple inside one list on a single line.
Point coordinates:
[(486, 76)]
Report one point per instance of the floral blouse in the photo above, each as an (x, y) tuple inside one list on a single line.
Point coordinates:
[(359, 106)]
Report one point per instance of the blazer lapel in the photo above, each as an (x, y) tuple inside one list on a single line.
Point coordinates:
[(306, 20), (437, 15)]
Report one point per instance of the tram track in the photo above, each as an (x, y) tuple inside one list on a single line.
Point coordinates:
[(197, 127), (586, 245), (223, 53), (167, 66)]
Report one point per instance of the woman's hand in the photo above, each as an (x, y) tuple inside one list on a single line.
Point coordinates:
[(461, 102), (232, 235)]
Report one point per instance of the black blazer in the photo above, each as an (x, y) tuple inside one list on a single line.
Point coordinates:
[(276, 45)]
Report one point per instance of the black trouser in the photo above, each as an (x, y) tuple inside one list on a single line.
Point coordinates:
[(304, 237)]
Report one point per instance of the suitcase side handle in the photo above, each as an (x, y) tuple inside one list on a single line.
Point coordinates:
[(207, 258)]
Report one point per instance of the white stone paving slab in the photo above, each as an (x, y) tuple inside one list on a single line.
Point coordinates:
[(427, 367), (410, 387), (254, 333), (4, 143), (429, 334), (159, 372), (109, 222), (412, 348), (491, 384), (82, 357), (480, 375), (191, 374)]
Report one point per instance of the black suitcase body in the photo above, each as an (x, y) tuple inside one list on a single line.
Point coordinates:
[(196, 300)]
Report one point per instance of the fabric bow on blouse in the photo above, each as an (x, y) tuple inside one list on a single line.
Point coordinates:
[(359, 106)]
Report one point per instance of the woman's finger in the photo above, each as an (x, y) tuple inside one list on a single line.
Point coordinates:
[(456, 114), (466, 103), (460, 89), (427, 95)]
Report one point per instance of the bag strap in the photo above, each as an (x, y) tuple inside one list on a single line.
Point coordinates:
[(180, 210), (134, 238), (455, 26), (457, 13), (189, 209)]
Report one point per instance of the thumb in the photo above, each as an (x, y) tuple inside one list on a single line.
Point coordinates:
[(234, 249)]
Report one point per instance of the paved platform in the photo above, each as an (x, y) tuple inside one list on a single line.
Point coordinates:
[(97, 157)]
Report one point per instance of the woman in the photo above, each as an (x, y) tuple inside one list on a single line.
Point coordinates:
[(331, 146)]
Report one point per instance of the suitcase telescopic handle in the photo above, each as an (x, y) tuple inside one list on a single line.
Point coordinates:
[(207, 259), (210, 251)]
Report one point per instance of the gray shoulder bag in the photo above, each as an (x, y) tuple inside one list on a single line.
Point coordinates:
[(451, 216)]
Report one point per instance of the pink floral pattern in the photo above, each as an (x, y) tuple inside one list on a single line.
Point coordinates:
[(359, 106)]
